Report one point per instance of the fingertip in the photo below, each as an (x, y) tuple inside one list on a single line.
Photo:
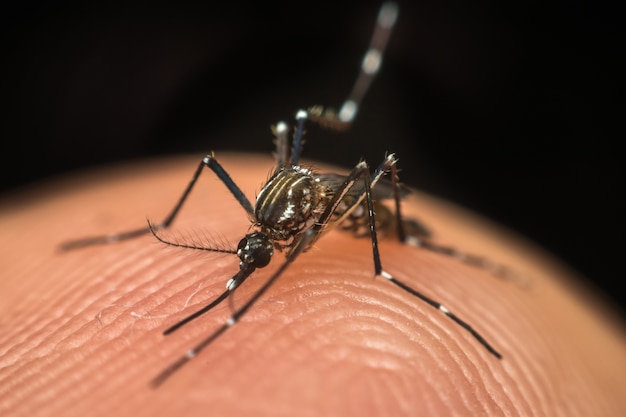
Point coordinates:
[(330, 337)]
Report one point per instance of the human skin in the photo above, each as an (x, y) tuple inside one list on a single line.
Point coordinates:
[(81, 331)]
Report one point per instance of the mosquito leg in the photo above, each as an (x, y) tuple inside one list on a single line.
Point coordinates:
[(298, 140), (298, 136), (237, 314), (370, 65), (496, 269), (389, 277), (401, 232), (351, 179), (372, 61), (281, 142), (428, 300), (445, 311), (362, 171), (359, 171), (208, 161)]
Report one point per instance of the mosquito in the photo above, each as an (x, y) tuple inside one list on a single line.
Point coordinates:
[(297, 205)]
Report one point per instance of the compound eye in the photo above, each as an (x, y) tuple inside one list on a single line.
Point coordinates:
[(242, 244), (261, 248), (262, 258)]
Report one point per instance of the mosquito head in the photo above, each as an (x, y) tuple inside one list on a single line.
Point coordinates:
[(255, 249)]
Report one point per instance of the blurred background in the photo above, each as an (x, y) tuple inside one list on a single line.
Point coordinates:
[(513, 110)]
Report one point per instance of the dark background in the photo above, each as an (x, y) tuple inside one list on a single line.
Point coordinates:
[(515, 110)]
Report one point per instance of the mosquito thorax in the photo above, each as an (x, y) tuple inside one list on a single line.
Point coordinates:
[(255, 249), (289, 202)]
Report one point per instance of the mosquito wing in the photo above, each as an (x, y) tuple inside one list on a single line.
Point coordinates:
[(382, 191), (352, 215)]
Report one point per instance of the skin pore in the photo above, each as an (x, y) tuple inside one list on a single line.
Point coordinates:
[(82, 330)]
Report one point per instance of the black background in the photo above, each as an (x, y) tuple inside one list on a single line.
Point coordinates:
[(515, 110)]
